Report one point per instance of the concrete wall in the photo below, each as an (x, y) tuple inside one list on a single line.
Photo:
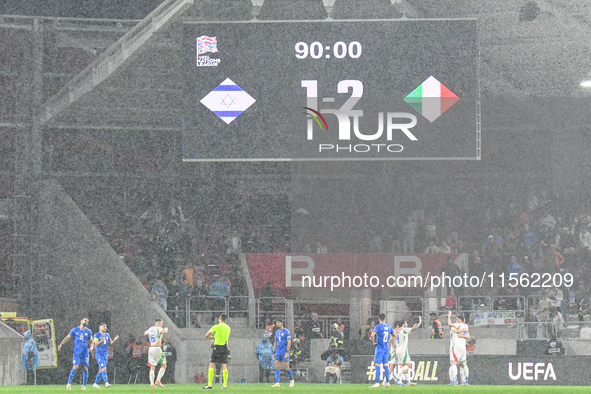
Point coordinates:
[(11, 343), (82, 274)]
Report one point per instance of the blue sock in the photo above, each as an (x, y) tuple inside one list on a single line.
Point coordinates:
[(277, 375), (84, 377), (72, 374), (98, 378), (378, 374), (387, 373), (290, 374), (105, 377)]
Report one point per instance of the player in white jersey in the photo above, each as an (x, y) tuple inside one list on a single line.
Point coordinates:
[(404, 362), (155, 355), (457, 350)]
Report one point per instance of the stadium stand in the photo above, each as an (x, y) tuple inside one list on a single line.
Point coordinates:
[(92, 184)]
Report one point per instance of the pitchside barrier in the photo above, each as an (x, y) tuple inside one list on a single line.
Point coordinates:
[(488, 370)]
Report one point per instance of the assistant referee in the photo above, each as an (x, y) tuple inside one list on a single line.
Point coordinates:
[(220, 333)]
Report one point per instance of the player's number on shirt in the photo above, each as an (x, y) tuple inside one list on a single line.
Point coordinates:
[(386, 338)]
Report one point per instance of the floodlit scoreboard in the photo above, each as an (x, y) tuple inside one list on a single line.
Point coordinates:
[(331, 90)]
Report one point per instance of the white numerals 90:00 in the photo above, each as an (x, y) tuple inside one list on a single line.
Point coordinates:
[(339, 50)]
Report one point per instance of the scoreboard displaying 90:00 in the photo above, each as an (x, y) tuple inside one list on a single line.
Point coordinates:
[(331, 90)]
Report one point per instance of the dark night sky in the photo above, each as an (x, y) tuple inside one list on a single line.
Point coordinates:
[(115, 9)]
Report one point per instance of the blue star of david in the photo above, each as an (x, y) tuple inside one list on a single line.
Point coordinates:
[(228, 97)]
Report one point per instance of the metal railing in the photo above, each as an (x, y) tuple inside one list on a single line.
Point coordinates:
[(206, 305), (509, 303), (439, 304), (415, 305), (239, 306), (270, 312)]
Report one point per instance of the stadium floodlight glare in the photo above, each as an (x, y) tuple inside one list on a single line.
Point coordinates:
[(256, 8), (586, 84), (395, 1)]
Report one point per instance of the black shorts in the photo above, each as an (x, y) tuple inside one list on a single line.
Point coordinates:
[(219, 354)]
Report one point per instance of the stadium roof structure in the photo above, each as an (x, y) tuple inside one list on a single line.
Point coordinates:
[(528, 49)]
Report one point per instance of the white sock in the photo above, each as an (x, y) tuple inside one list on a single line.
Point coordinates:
[(462, 379), (152, 373), (407, 377), (454, 373), (402, 371), (160, 374), (466, 373)]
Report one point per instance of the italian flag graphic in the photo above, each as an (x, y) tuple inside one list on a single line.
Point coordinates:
[(431, 99)]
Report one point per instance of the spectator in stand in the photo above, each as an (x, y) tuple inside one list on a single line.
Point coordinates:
[(159, 293), (553, 261), (444, 248), (531, 327), (528, 240), (450, 269), (543, 315), (458, 247), (557, 322), (408, 233), (584, 236), (513, 269), (548, 220), (152, 218), (556, 295), (333, 367), (436, 327), (264, 354), (173, 302), (239, 302), (198, 302), (582, 297), (234, 242), (432, 248), (375, 241), (478, 269), (430, 230), (198, 272), (138, 263), (219, 290), (567, 239), (184, 294), (187, 276), (321, 247), (314, 327), (266, 299)]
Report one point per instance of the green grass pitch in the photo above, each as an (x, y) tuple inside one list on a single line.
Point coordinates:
[(299, 388)]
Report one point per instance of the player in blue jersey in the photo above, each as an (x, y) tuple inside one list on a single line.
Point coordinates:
[(281, 349), (102, 340), (381, 337), (82, 335)]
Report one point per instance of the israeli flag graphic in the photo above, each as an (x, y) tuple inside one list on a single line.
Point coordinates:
[(228, 100)]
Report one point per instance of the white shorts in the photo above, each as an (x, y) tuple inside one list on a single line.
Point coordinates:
[(403, 356), (393, 359), (155, 356), (458, 354)]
